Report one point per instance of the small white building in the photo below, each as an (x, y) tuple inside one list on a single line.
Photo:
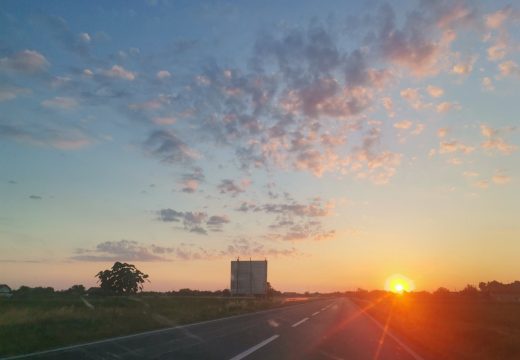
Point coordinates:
[(5, 291)]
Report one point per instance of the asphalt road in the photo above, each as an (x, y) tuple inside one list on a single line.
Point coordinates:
[(323, 329)]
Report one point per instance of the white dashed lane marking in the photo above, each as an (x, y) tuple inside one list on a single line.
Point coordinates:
[(300, 322), (254, 348)]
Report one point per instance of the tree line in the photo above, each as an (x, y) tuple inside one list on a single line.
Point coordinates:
[(126, 279)]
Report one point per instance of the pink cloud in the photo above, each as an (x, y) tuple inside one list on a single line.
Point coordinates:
[(404, 124), (120, 72), (26, 61), (501, 178), (435, 91), (494, 141)]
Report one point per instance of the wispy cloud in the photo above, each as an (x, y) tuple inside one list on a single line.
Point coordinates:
[(195, 222), (26, 61)]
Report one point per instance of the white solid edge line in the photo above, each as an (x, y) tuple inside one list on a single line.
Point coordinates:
[(316, 313), (300, 322), (150, 332), (254, 348), (396, 339)]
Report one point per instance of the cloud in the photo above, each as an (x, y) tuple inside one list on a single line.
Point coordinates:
[(494, 141), (487, 131), (153, 104), (26, 61), (442, 132), (464, 67), (35, 197), (496, 19), (501, 178), (195, 222), (482, 184), (499, 145), (163, 74), (190, 186), (435, 91), (170, 215), (216, 222), (509, 68), (487, 84), (454, 161), (190, 181), (404, 124), (248, 248), (56, 137), (119, 72), (168, 147), (12, 92), (164, 120), (75, 43), (228, 186), (122, 250), (419, 128), (389, 106), (499, 49), (59, 102), (84, 37), (413, 98), (294, 220), (416, 46), (130, 251), (470, 174), (446, 106), (369, 163), (447, 147)]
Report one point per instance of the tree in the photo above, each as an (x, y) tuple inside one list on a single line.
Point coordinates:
[(123, 278), (442, 291), (76, 289), (469, 290)]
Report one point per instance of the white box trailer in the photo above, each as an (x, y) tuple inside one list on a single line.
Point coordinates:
[(249, 277)]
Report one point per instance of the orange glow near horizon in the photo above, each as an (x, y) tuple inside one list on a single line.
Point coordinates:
[(398, 284)]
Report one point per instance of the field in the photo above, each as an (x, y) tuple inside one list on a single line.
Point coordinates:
[(33, 324), (455, 327)]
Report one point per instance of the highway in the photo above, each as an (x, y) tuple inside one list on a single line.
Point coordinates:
[(323, 329)]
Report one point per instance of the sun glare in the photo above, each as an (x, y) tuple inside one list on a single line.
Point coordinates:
[(399, 284), (399, 288)]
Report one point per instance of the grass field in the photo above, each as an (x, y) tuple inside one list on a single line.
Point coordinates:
[(453, 328), (28, 325)]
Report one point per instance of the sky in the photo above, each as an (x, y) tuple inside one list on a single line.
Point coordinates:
[(344, 141)]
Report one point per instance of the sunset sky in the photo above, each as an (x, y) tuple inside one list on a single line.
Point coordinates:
[(344, 141)]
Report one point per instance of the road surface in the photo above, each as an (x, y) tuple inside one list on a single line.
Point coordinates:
[(329, 329)]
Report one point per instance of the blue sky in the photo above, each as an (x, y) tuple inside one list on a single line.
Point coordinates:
[(343, 141)]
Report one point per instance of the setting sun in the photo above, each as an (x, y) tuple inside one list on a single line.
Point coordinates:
[(398, 284)]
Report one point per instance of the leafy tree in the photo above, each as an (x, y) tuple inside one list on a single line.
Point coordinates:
[(39, 291), (442, 291), (123, 278), (76, 289), (469, 290)]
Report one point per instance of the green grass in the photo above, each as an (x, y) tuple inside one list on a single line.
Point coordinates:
[(28, 325), (456, 328)]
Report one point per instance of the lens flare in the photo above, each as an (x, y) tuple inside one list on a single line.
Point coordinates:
[(398, 284)]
